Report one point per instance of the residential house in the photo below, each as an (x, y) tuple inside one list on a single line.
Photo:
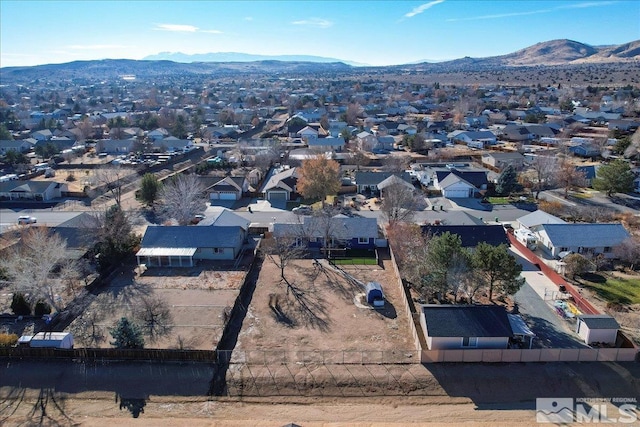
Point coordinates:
[(471, 235), (229, 188), (328, 144), (366, 141), (115, 146), (336, 127), (157, 134), (465, 326), (182, 246), (473, 139), (171, 143), (392, 182), (280, 185), (367, 182), (339, 232), (19, 145), (624, 125), (384, 144), (499, 161), (536, 219), (586, 239), (31, 190), (42, 135), (589, 172), (454, 183), (585, 150)]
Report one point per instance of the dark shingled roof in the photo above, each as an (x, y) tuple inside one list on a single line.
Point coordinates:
[(375, 178), (471, 235), (467, 321), (599, 321)]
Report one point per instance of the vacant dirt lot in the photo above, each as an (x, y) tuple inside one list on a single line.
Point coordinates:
[(323, 317), (196, 299)]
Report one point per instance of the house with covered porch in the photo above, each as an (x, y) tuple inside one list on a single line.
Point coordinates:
[(183, 246)]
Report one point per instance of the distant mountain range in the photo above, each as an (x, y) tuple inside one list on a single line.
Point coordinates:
[(241, 57), (554, 52), (551, 53)]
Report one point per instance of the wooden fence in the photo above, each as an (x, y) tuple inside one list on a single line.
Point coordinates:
[(412, 316)]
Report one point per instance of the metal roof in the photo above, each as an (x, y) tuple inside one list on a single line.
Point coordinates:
[(466, 321), (166, 252)]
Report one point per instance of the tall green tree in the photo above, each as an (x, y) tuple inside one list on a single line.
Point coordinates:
[(126, 335), (507, 181), (444, 255), (498, 268), (616, 177), (115, 237), (149, 189), (4, 133)]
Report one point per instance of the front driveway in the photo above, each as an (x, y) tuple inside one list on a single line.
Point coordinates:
[(534, 301)]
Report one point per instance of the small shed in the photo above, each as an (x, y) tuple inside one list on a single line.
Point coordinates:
[(597, 328), (49, 340), (374, 294)]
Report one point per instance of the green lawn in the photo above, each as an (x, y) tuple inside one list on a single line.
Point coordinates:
[(499, 200), (623, 291)]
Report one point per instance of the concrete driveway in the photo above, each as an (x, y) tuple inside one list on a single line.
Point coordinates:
[(534, 301)]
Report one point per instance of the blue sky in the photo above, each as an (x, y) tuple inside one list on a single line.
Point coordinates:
[(371, 32)]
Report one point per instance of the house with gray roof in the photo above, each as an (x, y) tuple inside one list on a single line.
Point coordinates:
[(342, 232), (229, 188), (182, 246), (535, 219), (499, 161), (280, 185), (586, 239), (19, 146), (31, 190), (465, 326), (454, 183), (471, 235), (368, 181)]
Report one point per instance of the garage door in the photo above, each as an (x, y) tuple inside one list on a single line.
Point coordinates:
[(228, 196), (278, 196), (452, 194)]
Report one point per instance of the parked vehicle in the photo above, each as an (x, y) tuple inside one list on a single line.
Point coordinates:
[(302, 210), (26, 219)]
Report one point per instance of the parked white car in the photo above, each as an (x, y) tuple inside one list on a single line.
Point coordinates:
[(26, 219)]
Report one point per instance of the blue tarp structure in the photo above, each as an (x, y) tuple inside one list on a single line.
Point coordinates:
[(374, 292)]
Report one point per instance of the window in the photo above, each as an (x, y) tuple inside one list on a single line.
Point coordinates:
[(607, 249), (564, 249), (363, 240), (469, 342), (218, 250)]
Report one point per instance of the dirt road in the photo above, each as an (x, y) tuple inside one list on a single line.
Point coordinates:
[(175, 394)]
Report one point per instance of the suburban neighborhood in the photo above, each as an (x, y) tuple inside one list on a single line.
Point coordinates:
[(283, 231)]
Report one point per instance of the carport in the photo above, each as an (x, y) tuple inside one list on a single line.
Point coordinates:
[(166, 257), (520, 329)]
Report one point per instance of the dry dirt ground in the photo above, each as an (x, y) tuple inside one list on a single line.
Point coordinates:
[(324, 318), (67, 393), (196, 298)]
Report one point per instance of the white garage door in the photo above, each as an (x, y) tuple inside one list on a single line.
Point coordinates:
[(277, 196), (452, 194)]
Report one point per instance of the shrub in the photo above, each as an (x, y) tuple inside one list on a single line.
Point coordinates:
[(71, 177), (41, 308), (19, 305), (8, 340)]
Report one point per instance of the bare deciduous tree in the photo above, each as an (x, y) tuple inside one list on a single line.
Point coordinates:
[(395, 164), (545, 169), (88, 329), (629, 251), (153, 316), (182, 197), (568, 177), (399, 203), (112, 178), (281, 250), (31, 263)]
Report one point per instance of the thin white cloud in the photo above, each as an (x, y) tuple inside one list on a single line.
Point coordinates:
[(248, 18), (181, 28), (583, 5), (500, 15), (96, 46), (418, 10), (178, 28), (314, 22), (587, 4)]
